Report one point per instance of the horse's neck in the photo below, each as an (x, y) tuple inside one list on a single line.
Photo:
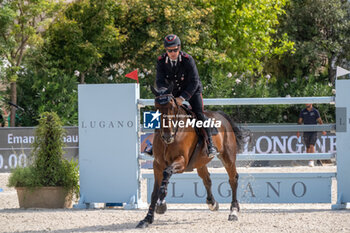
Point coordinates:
[(185, 116), (183, 112)]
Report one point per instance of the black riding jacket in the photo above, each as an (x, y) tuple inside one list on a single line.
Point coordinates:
[(184, 76)]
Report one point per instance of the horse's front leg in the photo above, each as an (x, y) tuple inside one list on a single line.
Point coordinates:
[(177, 166), (158, 176)]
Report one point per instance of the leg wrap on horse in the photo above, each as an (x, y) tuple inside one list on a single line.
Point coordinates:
[(234, 204), (149, 217), (166, 175), (163, 188)]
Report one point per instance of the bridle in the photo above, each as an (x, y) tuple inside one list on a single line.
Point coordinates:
[(166, 99)]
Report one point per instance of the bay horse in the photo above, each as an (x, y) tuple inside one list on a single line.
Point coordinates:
[(174, 147)]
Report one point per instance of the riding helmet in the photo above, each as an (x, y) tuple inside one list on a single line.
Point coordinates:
[(171, 41)]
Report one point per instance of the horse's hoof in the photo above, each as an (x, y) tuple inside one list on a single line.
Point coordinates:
[(214, 207), (142, 224), (161, 208), (232, 217)]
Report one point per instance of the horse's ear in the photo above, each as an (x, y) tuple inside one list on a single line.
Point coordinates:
[(154, 91), (170, 88)]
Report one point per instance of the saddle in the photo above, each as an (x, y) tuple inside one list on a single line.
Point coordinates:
[(200, 132)]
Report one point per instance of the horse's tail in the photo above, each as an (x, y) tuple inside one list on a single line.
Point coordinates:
[(240, 134)]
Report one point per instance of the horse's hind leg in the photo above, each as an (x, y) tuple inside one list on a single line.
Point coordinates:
[(233, 180), (204, 174)]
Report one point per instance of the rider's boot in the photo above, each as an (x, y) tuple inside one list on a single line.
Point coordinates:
[(212, 151)]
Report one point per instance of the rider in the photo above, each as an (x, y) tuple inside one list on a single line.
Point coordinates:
[(179, 67)]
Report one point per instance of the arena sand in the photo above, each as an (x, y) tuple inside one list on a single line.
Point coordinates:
[(179, 218)]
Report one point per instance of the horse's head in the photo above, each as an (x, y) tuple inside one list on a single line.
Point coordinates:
[(166, 103)]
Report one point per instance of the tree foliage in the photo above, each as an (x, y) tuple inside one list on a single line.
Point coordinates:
[(21, 25), (133, 33), (43, 89), (84, 39), (242, 48), (243, 33), (321, 33)]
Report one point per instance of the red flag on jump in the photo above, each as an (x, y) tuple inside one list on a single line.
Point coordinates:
[(133, 75)]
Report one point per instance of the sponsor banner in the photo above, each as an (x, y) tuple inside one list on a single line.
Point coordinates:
[(266, 143), (252, 188), (15, 146), (274, 142), (15, 143), (287, 142)]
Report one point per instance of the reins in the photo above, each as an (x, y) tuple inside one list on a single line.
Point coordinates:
[(176, 115)]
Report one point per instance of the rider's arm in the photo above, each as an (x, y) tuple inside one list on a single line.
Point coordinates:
[(193, 77), (160, 78)]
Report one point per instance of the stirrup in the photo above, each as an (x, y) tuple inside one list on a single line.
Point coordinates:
[(212, 152)]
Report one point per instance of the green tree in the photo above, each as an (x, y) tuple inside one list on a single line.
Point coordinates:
[(223, 36), (105, 39), (21, 25), (243, 32), (42, 88), (84, 40), (78, 42), (147, 22), (321, 33), (100, 41)]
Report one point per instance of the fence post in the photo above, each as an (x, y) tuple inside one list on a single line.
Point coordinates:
[(108, 148), (342, 104)]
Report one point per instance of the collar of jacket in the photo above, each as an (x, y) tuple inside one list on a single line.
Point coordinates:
[(179, 58)]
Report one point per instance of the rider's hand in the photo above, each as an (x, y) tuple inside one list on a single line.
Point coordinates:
[(179, 100)]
